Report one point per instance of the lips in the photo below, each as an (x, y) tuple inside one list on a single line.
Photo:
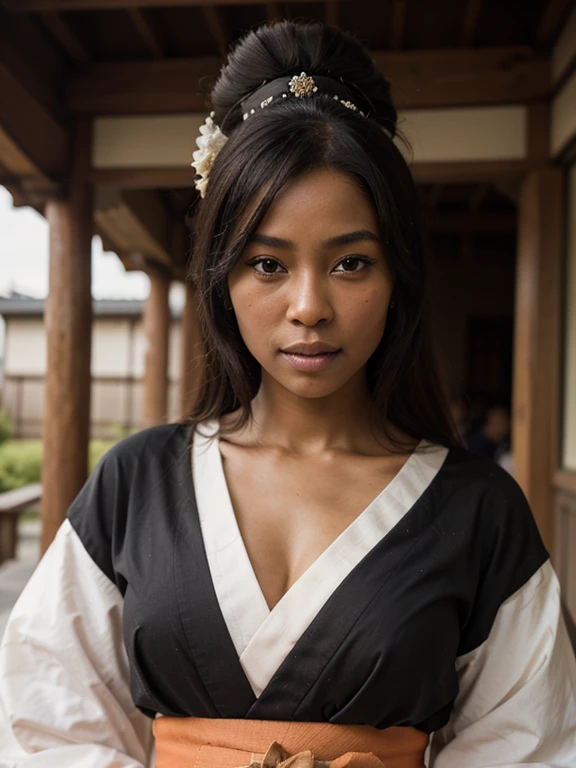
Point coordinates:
[(309, 363), (309, 350)]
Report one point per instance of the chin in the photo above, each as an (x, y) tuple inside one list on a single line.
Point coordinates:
[(309, 388)]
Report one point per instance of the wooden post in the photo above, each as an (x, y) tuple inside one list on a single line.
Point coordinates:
[(68, 323), (192, 354), (156, 331), (536, 345)]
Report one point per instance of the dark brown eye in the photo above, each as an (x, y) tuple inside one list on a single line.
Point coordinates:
[(268, 266), (350, 262)]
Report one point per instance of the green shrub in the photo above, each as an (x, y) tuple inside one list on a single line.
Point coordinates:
[(118, 430), (97, 449), (21, 461), (5, 427)]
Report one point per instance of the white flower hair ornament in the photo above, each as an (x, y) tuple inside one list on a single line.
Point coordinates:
[(209, 143)]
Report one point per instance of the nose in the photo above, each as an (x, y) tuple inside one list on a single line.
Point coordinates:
[(309, 301)]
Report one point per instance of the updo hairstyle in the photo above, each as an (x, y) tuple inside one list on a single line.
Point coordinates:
[(288, 139)]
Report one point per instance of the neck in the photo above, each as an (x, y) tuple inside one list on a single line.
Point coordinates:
[(313, 426)]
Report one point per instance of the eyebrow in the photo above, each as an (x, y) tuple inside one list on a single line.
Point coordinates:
[(345, 239)]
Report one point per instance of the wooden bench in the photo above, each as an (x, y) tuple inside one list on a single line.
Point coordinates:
[(12, 504)]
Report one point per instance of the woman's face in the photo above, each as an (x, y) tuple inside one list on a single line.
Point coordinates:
[(314, 271)]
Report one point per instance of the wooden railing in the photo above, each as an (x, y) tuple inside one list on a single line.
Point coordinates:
[(116, 403), (12, 504)]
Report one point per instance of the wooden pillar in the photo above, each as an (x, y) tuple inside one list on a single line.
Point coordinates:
[(156, 332), (537, 341), (68, 324), (192, 353)]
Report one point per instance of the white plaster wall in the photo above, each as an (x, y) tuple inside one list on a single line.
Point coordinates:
[(479, 133), (113, 357), (151, 141), (25, 347), (111, 347), (457, 135)]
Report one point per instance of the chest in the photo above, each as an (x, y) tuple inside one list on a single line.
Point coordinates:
[(368, 637), (290, 510)]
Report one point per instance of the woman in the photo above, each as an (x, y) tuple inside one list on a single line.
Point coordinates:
[(313, 565)]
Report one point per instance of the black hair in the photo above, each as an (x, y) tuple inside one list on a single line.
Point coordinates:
[(277, 144)]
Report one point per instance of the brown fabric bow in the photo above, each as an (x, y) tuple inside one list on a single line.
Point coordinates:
[(277, 757)]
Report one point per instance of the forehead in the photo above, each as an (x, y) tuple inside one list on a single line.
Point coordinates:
[(319, 204)]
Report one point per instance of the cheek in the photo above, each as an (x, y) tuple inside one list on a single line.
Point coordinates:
[(255, 313), (366, 313), (252, 303)]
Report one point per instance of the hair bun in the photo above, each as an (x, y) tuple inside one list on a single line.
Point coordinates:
[(287, 47)]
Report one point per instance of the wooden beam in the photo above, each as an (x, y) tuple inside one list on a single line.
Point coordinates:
[(398, 24), (143, 23), (30, 190), (536, 343), (420, 79), (144, 178), (66, 38), (19, 170), (135, 220), (538, 149), (40, 137), (553, 16), (68, 321), (273, 11), (27, 6), (331, 13), (218, 28), (466, 223), (157, 332), (168, 85), (458, 77), (471, 16), (424, 173), (28, 52), (469, 172)]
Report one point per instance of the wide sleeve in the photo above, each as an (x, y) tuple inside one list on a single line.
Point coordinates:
[(64, 692), (516, 704)]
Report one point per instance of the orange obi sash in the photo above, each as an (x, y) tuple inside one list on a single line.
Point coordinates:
[(193, 742)]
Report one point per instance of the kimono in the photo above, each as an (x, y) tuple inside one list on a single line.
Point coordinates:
[(437, 608)]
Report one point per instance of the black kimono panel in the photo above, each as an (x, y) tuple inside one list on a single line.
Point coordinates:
[(382, 648)]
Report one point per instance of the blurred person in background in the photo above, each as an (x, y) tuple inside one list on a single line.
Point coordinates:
[(491, 438)]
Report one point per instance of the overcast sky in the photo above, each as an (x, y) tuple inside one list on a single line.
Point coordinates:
[(24, 258), (24, 261)]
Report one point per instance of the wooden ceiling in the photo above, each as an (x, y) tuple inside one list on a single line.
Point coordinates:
[(62, 58), (91, 31)]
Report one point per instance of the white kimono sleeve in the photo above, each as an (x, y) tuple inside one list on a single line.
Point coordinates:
[(517, 699), (64, 694)]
